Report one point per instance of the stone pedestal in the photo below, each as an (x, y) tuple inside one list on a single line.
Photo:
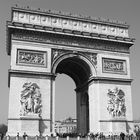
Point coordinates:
[(28, 124), (118, 126), (114, 126)]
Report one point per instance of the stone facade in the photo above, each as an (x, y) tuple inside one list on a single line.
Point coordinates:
[(94, 53)]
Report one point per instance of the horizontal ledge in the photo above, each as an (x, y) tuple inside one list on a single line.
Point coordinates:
[(107, 37), (110, 79), (103, 79), (40, 119), (116, 120), (31, 73)]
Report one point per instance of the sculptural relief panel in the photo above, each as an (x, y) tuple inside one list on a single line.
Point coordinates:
[(114, 66), (31, 58), (116, 103), (30, 99)]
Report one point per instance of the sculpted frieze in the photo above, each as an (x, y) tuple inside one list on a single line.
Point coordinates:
[(30, 99), (116, 103), (70, 41), (30, 57), (47, 20), (114, 66)]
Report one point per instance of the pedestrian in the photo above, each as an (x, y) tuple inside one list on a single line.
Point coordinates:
[(122, 136)]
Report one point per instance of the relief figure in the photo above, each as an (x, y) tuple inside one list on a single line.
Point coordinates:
[(116, 103), (30, 99)]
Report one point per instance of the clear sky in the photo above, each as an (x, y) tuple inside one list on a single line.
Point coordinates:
[(123, 10)]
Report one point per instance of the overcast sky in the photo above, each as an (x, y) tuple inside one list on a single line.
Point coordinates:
[(123, 10)]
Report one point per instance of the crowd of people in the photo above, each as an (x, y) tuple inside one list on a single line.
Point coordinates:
[(101, 136), (92, 136)]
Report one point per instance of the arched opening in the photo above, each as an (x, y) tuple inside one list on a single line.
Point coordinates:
[(65, 105), (80, 72), (65, 97)]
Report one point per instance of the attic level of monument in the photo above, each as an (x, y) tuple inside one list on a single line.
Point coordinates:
[(67, 29), (68, 15)]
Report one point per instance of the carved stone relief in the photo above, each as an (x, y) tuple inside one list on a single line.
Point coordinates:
[(116, 103), (91, 56), (75, 42), (30, 99), (57, 52), (47, 20), (114, 66), (30, 57)]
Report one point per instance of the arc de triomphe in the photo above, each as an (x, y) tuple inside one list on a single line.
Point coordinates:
[(93, 52)]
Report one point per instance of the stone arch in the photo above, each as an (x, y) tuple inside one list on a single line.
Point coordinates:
[(92, 67), (80, 68)]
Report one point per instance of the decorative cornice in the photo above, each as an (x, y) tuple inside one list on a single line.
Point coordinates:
[(103, 79), (70, 32), (29, 119), (117, 120), (110, 79), (60, 21), (66, 24), (20, 32), (31, 74)]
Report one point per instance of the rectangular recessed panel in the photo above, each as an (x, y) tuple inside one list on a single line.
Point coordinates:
[(32, 58), (115, 66)]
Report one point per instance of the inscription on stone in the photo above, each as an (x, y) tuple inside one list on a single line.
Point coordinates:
[(29, 57), (114, 66)]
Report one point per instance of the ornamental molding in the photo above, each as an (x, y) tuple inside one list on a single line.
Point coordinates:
[(30, 99), (116, 103), (32, 36), (92, 57), (56, 53), (50, 19)]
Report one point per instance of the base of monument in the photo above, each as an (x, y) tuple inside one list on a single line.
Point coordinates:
[(28, 124), (114, 126)]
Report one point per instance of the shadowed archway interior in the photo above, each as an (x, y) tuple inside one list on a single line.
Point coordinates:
[(76, 68), (80, 72)]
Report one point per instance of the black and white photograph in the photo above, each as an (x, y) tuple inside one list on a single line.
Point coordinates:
[(69, 70)]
